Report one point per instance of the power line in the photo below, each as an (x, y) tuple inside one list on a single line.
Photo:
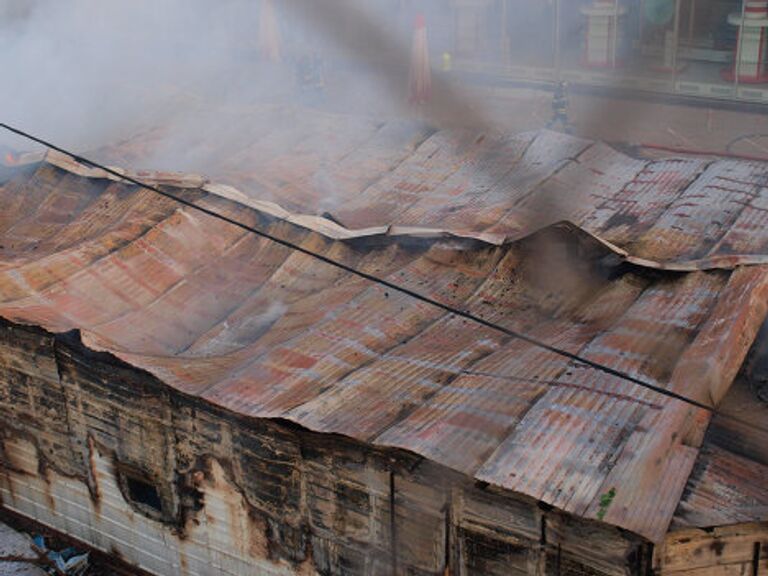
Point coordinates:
[(386, 283)]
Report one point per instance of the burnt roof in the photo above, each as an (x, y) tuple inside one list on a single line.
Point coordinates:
[(266, 332)]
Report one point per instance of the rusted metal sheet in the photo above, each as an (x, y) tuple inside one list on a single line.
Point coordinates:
[(668, 210), (724, 489), (728, 484), (263, 332)]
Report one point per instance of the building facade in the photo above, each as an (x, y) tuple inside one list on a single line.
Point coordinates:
[(710, 50)]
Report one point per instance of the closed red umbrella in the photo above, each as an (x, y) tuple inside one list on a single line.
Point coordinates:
[(420, 81), (269, 32)]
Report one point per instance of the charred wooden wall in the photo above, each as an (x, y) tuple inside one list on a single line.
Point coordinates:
[(740, 549), (108, 454)]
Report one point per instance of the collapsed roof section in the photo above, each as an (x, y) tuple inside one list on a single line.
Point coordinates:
[(265, 332), (369, 174)]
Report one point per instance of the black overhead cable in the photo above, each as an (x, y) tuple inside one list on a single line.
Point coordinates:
[(386, 283)]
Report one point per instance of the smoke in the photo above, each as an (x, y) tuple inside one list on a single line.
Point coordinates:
[(88, 73), (183, 84)]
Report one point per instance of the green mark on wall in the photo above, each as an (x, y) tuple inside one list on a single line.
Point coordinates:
[(605, 501)]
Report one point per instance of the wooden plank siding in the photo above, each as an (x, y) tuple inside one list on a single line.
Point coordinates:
[(738, 550)]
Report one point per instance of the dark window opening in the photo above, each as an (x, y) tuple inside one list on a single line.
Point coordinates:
[(142, 492)]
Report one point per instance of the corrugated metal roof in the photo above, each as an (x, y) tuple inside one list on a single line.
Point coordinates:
[(728, 484), (266, 332)]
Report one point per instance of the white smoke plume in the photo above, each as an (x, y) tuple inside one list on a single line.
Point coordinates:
[(86, 73), (188, 74)]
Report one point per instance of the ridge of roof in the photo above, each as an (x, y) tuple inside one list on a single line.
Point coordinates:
[(335, 231)]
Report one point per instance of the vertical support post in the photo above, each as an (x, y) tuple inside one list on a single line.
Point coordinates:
[(615, 39), (676, 43), (392, 522), (450, 560), (505, 47), (558, 62), (737, 63), (691, 20), (539, 563)]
